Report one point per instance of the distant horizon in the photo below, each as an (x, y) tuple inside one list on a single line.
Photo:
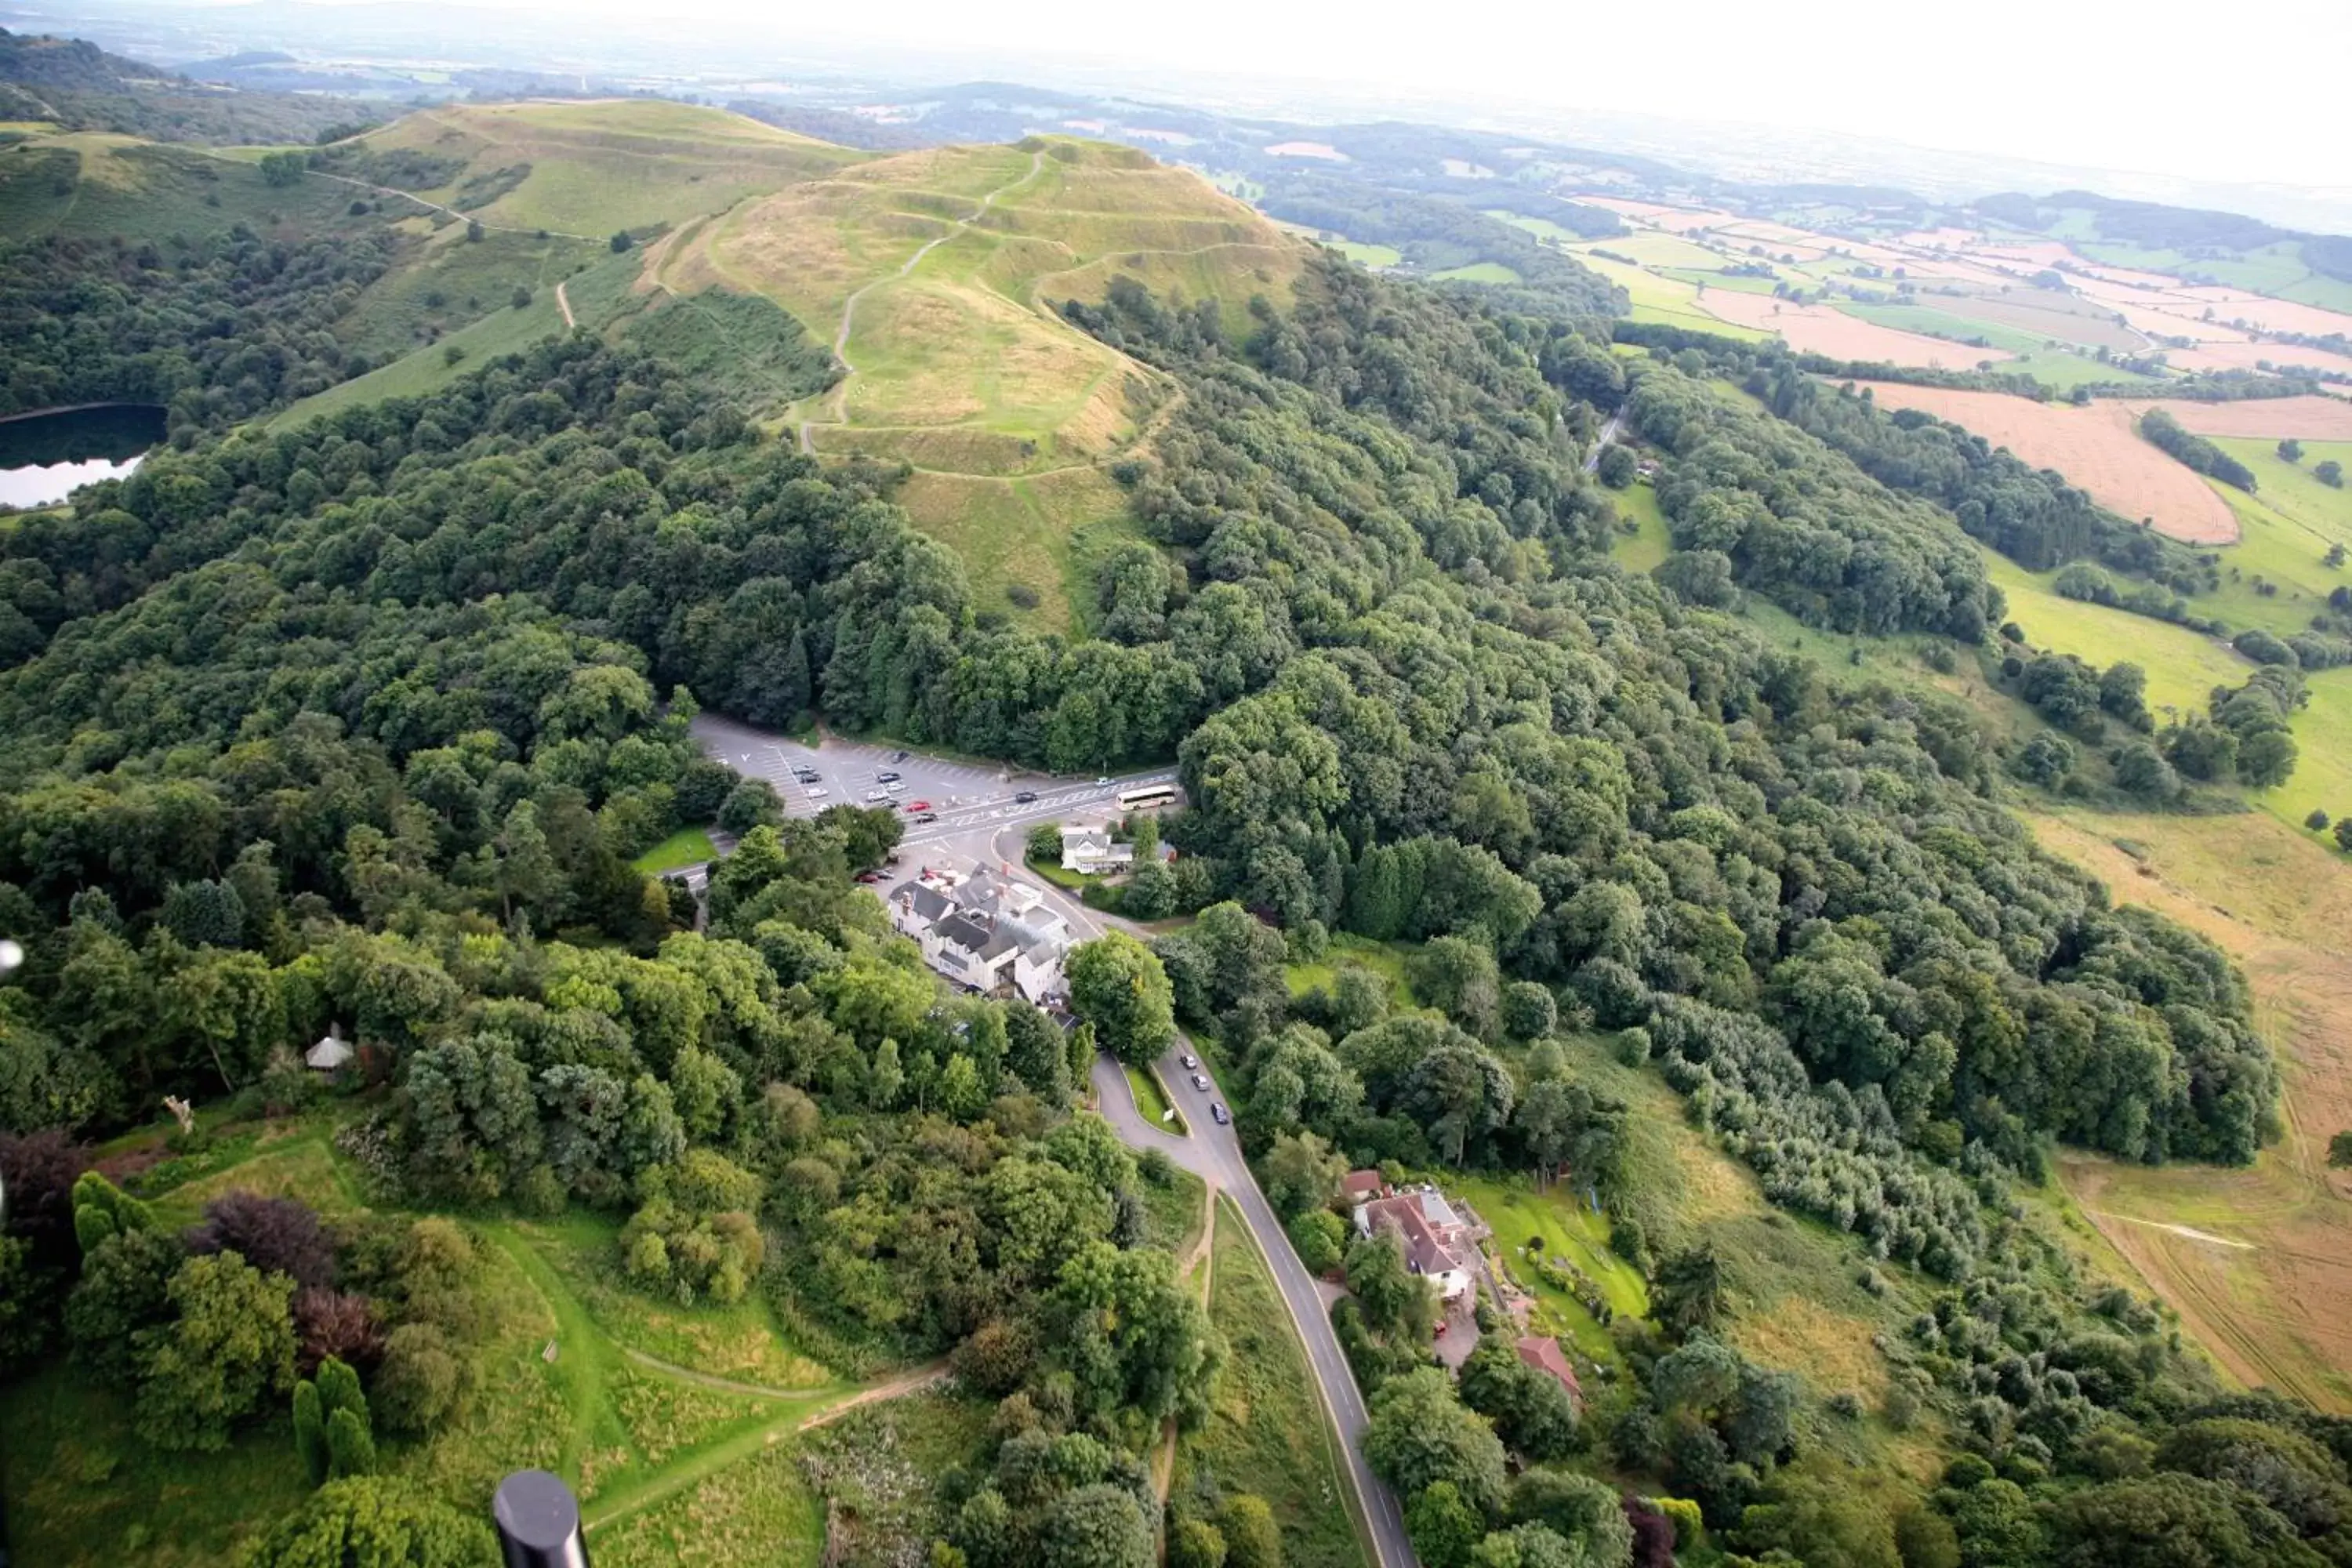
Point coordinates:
[(1731, 98)]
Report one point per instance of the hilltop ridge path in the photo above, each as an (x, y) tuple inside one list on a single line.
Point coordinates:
[(849, 306), (1213, 1153)]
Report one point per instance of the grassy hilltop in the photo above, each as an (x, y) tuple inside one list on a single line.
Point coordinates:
[(899, 306)]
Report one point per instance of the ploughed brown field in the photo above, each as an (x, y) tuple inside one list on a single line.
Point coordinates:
[(2094, 448)]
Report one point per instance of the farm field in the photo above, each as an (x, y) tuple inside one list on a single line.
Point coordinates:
[(1266, 1432), (1819, 329), (2183, 666), (1668, 301), (2255, 355), (2271, 1292), (2093, 447), (1651, 542), (2311, 418), (2042, 314), (1375, 256)]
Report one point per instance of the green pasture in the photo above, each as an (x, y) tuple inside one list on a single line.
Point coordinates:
[(1651, 542), (1479, 273)]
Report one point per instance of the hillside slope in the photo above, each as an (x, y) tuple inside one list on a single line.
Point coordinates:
[(934, 275)]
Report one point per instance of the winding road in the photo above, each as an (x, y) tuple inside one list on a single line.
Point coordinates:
[(1215, 1155)]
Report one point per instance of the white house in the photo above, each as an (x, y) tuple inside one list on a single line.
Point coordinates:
[(969, 949), (1087, 848), (986, 932)]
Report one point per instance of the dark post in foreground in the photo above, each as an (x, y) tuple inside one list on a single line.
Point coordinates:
[(538, 1522)]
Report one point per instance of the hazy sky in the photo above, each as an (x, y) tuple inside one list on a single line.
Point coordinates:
[(2253, 91)]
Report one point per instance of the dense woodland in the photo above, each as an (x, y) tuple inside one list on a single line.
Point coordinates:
[(215, 328), (362, 721)]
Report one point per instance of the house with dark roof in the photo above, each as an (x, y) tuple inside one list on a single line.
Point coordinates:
[(985, 931), (916, 906)]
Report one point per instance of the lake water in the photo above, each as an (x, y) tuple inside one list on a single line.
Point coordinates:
[(44, 458)]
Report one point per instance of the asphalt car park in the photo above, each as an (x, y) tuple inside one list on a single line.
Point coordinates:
[(957, 798)]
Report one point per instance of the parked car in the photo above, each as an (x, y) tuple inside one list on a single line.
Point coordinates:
[(872, 796), (1024, 797), (893, 787), (887, 776), (815, 794), (925, 817), (898, 756), (918, 805), (1219, 1114), (1200, 1083), (1189, 1060)]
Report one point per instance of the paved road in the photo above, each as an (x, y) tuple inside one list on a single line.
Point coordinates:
[(1608, 434), (973, 800), (1212, 1153)]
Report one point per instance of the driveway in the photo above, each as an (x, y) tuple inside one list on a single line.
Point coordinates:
[(1212, 1153)]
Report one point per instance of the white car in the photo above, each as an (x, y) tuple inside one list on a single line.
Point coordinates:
[(877, 794), (895, 786), (815, 794)]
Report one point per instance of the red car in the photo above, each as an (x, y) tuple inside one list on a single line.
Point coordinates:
[(918, 805)]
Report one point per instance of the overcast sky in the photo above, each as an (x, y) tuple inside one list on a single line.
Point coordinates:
[(2253, 91)]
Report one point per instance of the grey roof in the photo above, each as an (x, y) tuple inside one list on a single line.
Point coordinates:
[(923, 899), (1003, 942), (982, 890), (963, 932)]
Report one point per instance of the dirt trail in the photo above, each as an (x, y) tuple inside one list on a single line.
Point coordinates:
[(670, 1369), (710, 1462), (406, 197), (839, 396), (2187, 1232), (564, 303), (1201, 1258)]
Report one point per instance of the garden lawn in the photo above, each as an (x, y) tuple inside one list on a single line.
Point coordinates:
[(687, 847), (1568, 1228)]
